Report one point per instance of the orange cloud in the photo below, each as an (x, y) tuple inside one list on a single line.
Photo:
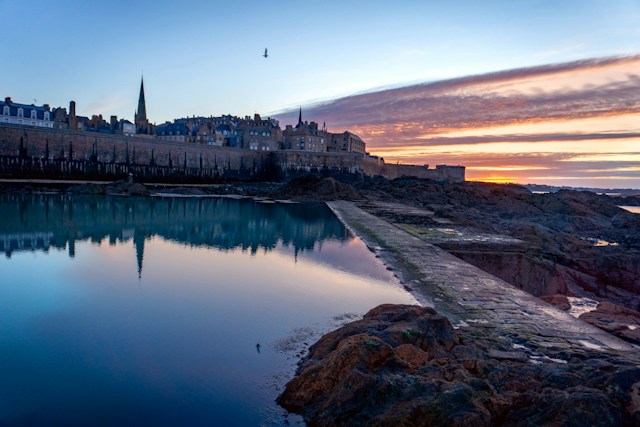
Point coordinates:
[(566, 120)]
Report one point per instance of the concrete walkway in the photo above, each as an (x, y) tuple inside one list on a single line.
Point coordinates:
[(468, 295)]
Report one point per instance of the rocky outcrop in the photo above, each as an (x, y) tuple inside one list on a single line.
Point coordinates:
[(406, 365), (315, 188), (576, 243), (620, 321), (118, 187)]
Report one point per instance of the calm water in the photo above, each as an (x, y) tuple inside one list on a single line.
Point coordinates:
[(125, 311), (634, 209)]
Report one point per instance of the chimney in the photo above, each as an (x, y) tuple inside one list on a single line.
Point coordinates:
[(7, 100), (73, 121), (46, 106)]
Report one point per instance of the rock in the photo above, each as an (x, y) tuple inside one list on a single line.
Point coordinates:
[(507, 355), (411, 354), (560, 301), (137, 190), (186, 191), (405, 365), (88, 189), (315, 188), (620, 321)]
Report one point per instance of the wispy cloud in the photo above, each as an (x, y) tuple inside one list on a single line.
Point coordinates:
[(580, 108), (112, 102)]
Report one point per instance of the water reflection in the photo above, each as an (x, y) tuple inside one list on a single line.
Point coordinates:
[(194, 341), (42, 222)]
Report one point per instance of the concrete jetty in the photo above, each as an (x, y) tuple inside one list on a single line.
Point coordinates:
[(468, 295)]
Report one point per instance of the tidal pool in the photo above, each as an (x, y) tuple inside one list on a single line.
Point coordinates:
[(161, 311)]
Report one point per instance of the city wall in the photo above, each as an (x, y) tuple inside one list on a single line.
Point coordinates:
[(30, 152), (49, 153), (373, 166)]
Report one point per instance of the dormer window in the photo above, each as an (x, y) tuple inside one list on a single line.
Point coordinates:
[(46, 115), (20, 112), (33, 114), (5, 110)]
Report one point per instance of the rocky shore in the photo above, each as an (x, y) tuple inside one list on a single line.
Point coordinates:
[(407, 365)]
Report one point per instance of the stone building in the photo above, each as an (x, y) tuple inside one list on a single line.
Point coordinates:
[(259, 134), (346, 142), (27, 115), (306, 136), (64, 120), (175, 132), (225, 135), (126, 128)]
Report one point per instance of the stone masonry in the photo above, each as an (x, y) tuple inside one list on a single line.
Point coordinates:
[(28, 146), (468, 295)]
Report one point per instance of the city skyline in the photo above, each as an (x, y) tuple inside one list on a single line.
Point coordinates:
[(206, 59)]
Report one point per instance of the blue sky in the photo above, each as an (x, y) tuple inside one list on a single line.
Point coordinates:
[(204, 57)]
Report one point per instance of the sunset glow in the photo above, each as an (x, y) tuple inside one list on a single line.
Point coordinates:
[(568, 124)]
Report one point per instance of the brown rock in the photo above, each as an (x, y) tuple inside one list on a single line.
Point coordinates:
[(406, 366), (620, 321), (560, 301), (411, 354), (137, 190), (507, 355)]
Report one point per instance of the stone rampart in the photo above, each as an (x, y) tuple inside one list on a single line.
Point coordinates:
[(31, 152), (374, 166), (291, 163)]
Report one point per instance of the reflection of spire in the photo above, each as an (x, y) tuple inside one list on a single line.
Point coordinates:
[(138, 241), (72, 248)]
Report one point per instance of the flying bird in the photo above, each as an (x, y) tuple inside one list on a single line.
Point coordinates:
[(265, 53)]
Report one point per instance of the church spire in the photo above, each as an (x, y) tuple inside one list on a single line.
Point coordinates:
[(300, 118), (141, 114)]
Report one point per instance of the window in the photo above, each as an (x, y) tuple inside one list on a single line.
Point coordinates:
[(46, 116), (33, 114), (20, 113), (6, 110)]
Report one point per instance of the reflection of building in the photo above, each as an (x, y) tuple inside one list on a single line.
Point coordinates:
[(17, 242), (41, 222)]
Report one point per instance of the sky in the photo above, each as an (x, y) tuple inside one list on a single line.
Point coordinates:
[(205, 58)]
